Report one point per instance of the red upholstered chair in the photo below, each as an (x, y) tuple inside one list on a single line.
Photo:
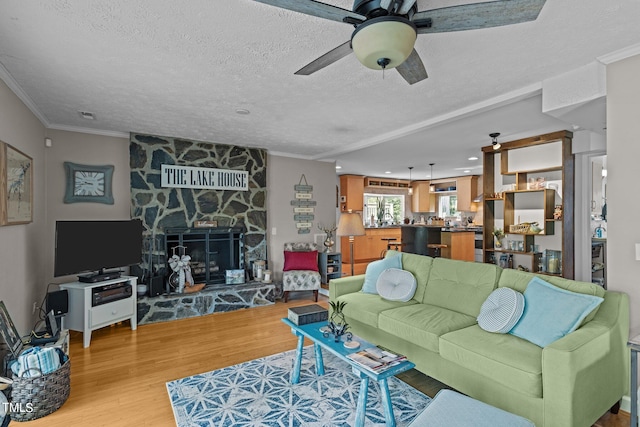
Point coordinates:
[(300, 272)]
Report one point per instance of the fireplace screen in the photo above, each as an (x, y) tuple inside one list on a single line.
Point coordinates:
[(213, 251)]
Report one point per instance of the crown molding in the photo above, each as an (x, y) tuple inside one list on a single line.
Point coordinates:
[(26, 100), (90, 131), (619, 55)]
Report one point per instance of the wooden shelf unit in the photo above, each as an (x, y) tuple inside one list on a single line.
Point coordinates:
[(505, 206)]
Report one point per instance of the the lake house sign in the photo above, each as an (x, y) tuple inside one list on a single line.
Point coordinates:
[(205, 178)]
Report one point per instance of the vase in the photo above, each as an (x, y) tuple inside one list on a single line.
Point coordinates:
[(497, 242)]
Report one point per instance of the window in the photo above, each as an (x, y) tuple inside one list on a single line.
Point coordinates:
[(383, 209), (448, 206)]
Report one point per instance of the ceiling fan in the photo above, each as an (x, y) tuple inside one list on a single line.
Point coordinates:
[(386, 30)]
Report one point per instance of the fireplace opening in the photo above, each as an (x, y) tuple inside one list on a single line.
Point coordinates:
[(213, 251)]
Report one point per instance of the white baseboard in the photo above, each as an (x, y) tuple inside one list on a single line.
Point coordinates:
[(625, 405)]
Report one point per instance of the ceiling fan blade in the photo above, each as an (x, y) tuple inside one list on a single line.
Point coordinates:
[(315, 8), (327, 59), (412, 70), (477, 15)]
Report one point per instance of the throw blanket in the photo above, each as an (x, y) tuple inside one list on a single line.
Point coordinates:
[(37, 361)]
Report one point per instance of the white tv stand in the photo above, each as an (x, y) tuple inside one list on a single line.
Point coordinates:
[(84, 317)]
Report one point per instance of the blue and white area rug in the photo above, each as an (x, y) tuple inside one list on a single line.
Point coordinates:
[(259, 393)]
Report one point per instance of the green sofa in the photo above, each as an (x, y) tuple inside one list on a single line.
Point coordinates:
[(571, 382)]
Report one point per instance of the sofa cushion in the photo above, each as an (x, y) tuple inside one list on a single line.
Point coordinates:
[(550, 312), (375, 268), (365, 308), (519, 280), (420, 267), (423, 324), (396, 285), (501, 310), (461, 286), (502, 358)]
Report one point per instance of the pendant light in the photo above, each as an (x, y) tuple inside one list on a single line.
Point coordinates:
[(410, 187), (494, 140), (432, 188)]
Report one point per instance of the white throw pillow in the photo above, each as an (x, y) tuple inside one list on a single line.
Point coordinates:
[(395, 284), (501, 310)]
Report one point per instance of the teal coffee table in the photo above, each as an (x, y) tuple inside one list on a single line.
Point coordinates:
[(312, 332)]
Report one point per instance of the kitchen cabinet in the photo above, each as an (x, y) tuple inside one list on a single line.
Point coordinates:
[(369, 247), (520, 193), (466, 189), (422, 200), (351, 193)]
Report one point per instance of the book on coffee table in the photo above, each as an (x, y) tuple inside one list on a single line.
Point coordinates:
[(376, 359)]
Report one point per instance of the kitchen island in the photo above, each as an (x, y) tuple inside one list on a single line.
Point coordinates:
[(460, 241)]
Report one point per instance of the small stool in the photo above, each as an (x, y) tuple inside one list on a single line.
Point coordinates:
[(450, 408), (436, 247)]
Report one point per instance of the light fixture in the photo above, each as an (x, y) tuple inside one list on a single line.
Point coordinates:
[(387, 172), (242, 111), (432, 187), (410, 188), (87, 115), (338, 167), (473, 158), (350, 224), (384, 42), (494, 140)]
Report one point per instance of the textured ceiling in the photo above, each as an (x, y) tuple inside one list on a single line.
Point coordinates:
[(183, 68)]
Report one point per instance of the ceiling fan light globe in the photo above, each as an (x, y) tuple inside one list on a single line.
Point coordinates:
[(386, 37)]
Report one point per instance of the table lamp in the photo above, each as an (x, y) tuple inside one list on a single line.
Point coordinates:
[(350, 224)]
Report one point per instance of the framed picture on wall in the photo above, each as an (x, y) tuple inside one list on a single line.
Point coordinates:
[(88, 183), (16, 191), (9, 331)]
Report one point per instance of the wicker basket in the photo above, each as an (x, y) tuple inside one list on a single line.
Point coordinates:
[(42, 395), (519, 228)]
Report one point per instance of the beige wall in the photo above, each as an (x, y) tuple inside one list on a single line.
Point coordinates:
[(84, 149), (22, 249), (623, 197), (282, 174)]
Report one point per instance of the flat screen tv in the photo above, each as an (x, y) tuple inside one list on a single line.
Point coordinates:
[(94, 246)]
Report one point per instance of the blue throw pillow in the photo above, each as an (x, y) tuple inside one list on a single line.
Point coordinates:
[(550, 312), (375, 268)]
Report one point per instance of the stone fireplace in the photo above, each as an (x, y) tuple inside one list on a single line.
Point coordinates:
[(170, 208), (165, 210)]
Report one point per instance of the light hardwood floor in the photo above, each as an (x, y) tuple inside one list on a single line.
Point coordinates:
[(120, 379)]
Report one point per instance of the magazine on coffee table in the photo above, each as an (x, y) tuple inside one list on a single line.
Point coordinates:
[(376, 359)]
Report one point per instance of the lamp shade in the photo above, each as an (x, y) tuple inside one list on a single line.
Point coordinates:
[(350, 224), (384, 38)]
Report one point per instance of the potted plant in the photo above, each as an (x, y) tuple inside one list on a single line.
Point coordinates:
[(337, 323), (381, 211), (498, 235)]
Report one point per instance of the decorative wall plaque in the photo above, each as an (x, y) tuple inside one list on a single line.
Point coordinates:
[(303, 206)]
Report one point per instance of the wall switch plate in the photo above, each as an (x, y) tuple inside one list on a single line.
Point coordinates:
[(273, 231)]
